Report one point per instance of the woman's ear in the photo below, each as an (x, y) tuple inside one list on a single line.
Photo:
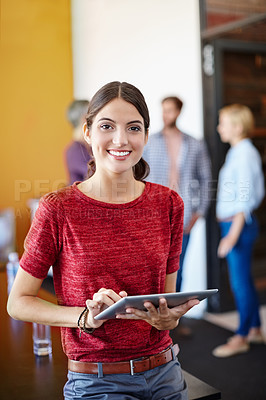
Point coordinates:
[(86, 133), (239, 130)]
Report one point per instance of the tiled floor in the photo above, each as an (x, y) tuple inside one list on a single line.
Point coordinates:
[(229, 320)]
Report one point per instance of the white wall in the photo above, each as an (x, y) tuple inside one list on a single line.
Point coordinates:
[(155, 45)]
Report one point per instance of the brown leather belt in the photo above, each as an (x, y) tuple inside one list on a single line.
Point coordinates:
[(125, 367)]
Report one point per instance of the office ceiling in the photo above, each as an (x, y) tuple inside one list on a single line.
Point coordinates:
[(238, 19)]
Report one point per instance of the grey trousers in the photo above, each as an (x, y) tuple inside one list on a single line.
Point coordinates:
[(161, 383)]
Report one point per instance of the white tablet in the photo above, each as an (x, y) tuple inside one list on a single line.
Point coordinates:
[(173, 300)]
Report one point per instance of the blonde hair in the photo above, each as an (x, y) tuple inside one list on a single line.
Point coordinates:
[(240, 114)]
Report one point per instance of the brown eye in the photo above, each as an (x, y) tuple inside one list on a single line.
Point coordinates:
[(105, 126), (135, 128)]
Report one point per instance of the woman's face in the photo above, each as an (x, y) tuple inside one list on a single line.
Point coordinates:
[(228, 131), (117, 137)]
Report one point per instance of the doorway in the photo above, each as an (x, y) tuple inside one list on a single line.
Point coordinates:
[(234, 71)]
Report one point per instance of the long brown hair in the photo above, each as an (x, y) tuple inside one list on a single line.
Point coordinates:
[(132, 95)]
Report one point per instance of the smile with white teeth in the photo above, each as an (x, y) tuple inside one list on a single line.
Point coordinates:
[(119, 153)]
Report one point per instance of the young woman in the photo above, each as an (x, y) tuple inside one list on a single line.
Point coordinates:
[(240, 192), (110, 236)]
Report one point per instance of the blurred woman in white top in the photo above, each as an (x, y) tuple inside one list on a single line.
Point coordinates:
[(240, 192)]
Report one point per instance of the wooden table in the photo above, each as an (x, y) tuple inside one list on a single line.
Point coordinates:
[(199, 390), (23, 376)]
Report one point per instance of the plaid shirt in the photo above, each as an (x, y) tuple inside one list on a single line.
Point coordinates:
[(194, 170)]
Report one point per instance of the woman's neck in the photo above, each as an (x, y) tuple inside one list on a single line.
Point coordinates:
[(78, 134), (113, 189), (237, 140)]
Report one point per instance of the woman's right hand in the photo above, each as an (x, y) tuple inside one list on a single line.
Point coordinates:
[(101, 300)]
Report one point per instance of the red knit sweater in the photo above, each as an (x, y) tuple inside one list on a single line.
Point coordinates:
[(92, 244)]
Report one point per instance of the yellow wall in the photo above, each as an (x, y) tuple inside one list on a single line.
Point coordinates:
[(36, 87)]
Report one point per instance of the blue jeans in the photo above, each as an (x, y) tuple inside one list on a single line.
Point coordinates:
[(181, 262), (161, 383), (241, 280)]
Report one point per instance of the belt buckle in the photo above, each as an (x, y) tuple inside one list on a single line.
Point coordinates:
[(131, 362)]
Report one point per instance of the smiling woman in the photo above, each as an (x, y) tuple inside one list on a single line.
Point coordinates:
[(110, 236), (117, 145), (117, 137), (138, 114)]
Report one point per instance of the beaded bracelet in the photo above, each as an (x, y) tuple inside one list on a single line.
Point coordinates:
[(82, 323)]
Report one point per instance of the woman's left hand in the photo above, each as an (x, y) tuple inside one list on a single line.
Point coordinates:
[(225, 246), (229, 241), (161, 318)]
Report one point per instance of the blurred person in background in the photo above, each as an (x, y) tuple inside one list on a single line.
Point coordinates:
[(77, 153), (180, 162), (240, 192)]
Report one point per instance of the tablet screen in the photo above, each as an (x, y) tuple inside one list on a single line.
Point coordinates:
[(173, 300)]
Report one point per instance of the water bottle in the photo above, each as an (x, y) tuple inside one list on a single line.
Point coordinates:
[(12, 269)]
